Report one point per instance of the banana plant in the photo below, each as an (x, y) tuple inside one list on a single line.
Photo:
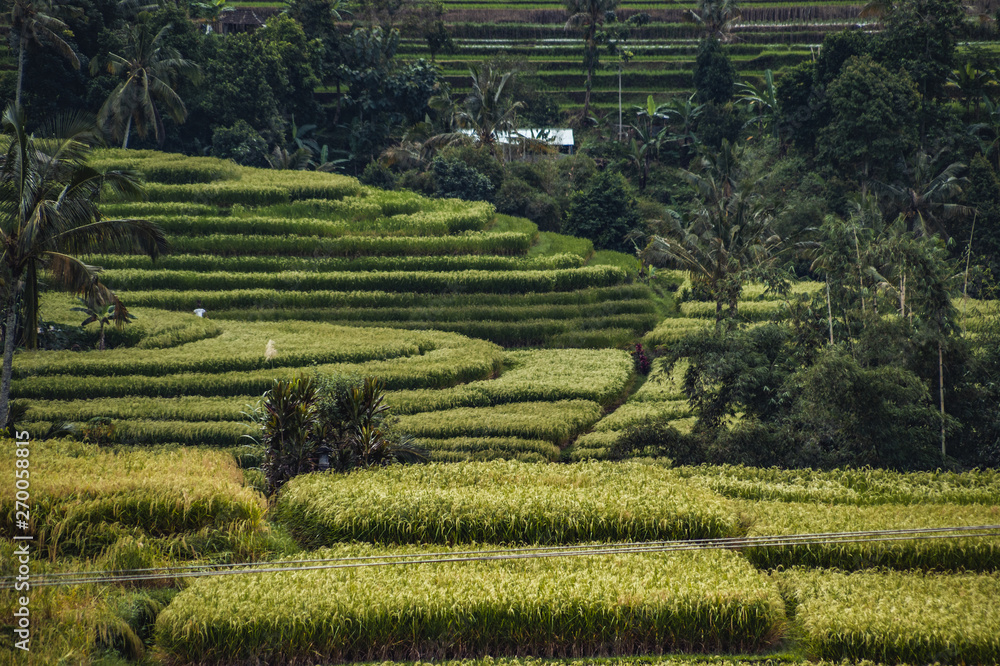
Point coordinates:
[(103, 313), (761, 103)]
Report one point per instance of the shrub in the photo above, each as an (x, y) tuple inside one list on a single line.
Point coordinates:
[(659, 440), (334, 423), (604, 212), (455, 179), (240, 143), (376, 175)]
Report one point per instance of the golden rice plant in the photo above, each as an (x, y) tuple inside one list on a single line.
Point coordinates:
[(84, 497), (852, 486), (557, 422), (503, 502), (626, 604), (600, 375), (896, 617), (970, 553)]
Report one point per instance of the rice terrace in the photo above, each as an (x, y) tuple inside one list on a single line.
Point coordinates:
[(489, 333)]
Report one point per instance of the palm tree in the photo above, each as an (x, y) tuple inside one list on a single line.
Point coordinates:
[(762, 104), (151, 70), (103, 312), (728, 235), (33, 20), (590, 14), (683, 118), (990, 143), (926, 201), (48, 213), (716, 17), (971, 84), (488, 114)]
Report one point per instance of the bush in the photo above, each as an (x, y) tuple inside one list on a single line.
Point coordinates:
[(604, 212), (376, 175), (714, 75), (660, 440), (457, 180), (308, 424), (240, 143)]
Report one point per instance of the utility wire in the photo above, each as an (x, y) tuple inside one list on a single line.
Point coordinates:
[(207, 570), (721, 541)]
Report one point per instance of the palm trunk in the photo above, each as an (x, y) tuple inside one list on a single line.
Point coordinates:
[(941, 393), (829, 309), (591, 51), (128, 130), (968, 260), (8, 354), (30, 300), (21, 59), (100, 342)]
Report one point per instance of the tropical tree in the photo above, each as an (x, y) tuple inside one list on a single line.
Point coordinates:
[(971, 84), (48, 213), (99, 310), (928, 199), (682, 116), (589, 15), (762, 104), (488, 113), (988, 132), (35, 20), (716, 17), (727, 238), (151, 70)]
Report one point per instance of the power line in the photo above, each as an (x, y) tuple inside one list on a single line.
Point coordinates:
[(537, 552)]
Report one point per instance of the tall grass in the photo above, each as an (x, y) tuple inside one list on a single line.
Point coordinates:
[(84, 498), (503, 502), (897, 617), (579, 606)]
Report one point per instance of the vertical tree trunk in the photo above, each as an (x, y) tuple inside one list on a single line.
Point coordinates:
[(941, 393), (8, 354), (21, 59), (100, 341), (591, 52), (30, 299), (128, 130), (829, 309), (968, 260)]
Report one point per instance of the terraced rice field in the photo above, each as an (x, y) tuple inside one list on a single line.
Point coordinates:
[(312, 272)]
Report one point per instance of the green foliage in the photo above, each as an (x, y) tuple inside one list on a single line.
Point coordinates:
[(480, 449), (263, 264), (456, 179), (896, 617), (598, 375), (505, 243), (635, 603), (557, 422), (448, 361), (873, 120), (240, 143), (376, 175), (469, 281), (714, 75), (502, 502), (84, 498), (604, 212), (855, 487)]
